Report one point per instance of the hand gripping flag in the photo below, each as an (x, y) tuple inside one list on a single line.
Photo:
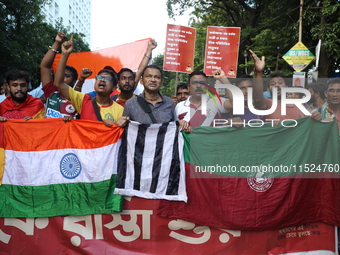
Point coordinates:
[(151, 163), (54, 168), (261, 178)]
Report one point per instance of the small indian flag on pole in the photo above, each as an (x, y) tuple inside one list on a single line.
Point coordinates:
[(54, 168)]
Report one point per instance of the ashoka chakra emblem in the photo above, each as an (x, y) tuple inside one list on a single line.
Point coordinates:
[(70, 166)]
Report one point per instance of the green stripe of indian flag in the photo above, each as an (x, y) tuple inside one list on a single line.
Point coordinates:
[(35, 168), (59, 199)]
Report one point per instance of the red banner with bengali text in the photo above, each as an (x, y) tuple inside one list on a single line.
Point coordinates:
[(179, 49), (221, 50), (138, 230)]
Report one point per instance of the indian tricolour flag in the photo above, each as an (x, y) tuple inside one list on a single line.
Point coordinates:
[(54, 168)]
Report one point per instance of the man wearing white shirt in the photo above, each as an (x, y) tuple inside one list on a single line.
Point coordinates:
[(190, 110)]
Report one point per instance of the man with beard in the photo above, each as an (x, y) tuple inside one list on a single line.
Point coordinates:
[(20, 105), (318, 96), (126, 84), (127, 80)]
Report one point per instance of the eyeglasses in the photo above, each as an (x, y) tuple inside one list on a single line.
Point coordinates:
[(107, 79), (198, 82), (333, 91)]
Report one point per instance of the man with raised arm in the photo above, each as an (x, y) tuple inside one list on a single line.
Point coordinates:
[(56, 105), (127, 80), (243, 82), (101, 107), (263, 103)]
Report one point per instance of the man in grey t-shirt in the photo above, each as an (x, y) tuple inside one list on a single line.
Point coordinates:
[(161, 108)]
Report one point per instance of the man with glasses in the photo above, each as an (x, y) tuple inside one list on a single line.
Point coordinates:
[(190, 110), (101, 107), (331, 109)]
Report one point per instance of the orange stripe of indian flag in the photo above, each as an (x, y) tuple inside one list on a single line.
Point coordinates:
[(50, 134)]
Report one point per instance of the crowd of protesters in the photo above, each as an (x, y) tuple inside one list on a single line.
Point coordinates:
[(113, 100)]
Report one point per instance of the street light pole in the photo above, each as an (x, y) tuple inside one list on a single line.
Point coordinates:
[(300, 21)]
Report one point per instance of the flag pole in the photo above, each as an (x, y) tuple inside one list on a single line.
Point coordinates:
[(176, 81)]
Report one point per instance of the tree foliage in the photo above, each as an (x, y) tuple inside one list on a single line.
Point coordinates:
[(25, 37), (169, 78), (270, 28)]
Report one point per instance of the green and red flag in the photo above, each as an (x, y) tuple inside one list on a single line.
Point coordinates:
[(260, 178)]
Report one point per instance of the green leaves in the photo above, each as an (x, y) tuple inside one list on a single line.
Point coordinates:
[(25, 37), (270, 28)]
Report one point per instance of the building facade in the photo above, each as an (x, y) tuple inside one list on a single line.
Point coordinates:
[(76, 14)]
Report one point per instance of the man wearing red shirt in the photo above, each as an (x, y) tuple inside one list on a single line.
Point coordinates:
[(20, 105)]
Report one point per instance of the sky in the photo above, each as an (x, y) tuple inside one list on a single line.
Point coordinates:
[(117, 22)]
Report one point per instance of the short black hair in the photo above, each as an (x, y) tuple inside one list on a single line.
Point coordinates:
[(276, 75), (74, 73), (2, 81), (13, 75), (196, 72), (124, 70), (318, 87), (333, 81), (182, 85), (153, 67), (243, 77), (112, 74)]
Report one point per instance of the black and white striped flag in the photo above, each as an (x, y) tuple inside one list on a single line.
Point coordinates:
[(151, 162)]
